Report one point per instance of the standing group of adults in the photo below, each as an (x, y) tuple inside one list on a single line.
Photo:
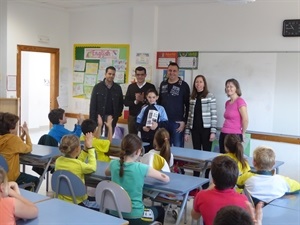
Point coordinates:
[(188, 114)]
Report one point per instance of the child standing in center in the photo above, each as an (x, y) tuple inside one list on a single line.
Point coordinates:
[(151, 118), (131, 175)]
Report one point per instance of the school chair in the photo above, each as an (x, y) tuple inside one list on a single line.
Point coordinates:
[(49, 141), (64, 182), (4, 165), (248, 195), (111, 196)]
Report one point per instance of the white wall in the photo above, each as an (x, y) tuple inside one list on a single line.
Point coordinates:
[(26, 22), (203, 27)]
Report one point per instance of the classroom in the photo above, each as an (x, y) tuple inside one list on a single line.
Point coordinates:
[(207, 26)]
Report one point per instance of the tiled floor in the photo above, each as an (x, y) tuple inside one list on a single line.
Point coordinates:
[(36, 134)]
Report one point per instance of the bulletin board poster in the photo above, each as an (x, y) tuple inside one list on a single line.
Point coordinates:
[(90, 62), (185, 60)]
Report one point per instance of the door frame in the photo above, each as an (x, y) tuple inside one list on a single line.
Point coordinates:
[(54, 71)]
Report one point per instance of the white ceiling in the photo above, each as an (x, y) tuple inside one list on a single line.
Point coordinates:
[(81, 4)]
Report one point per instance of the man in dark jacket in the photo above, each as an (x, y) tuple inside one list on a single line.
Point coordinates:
[(107, 98)]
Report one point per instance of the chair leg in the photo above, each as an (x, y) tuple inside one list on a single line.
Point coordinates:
[(47, 181), (185, 214)]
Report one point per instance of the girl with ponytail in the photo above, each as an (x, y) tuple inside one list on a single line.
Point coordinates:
[(130, 175), (235, 150), (160, 158)]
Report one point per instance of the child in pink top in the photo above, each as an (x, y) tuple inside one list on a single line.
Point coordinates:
[(12, 205), (236, 116)]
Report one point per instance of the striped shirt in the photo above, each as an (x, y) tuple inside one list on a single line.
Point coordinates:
[(209, 113)]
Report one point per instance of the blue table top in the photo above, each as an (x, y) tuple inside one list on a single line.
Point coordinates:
[(42, 152), (193, 155), (179, 184), (32, 196), (291, 201), (117, 142), (274, 215), (56, 211)]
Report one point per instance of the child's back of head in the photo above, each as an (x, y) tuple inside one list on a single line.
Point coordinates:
[(233, 144), (162, 143), (130, 145), (55, 115), (263, 158), (233, 215), (3, 182), (68, 144), (8, 121), (88, 126), (224, 171)]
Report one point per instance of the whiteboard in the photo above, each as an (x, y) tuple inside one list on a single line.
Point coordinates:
[(270, 83)]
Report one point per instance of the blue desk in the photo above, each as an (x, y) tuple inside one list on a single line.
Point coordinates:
[(291, 201), (274, 215), (275, 167), (56, 211), (33, 197), (197, 156), (179, 184), (41, 155), (117, 142), (194, 156)]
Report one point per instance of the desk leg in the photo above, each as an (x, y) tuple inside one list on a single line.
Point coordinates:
[(183, 204), (204, 169), (43, 175)]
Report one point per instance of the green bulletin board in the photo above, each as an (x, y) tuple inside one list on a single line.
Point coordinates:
[(90, 62)]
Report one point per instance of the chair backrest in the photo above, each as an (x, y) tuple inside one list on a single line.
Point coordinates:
[(64, 182), (248, 195), (3, 163), (48, 140), (112, 196)]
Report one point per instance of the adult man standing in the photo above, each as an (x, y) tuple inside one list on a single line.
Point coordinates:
[(107, 98), (174, 94), (134, 97)]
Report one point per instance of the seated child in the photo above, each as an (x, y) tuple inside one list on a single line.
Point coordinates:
[(101, 145), (160, 158), (11, 146), (208, 202), (77, 161), (12, 205), (235, 150), (151, 118), (131, 175), (234, 215), (263, 184), (58, 119)]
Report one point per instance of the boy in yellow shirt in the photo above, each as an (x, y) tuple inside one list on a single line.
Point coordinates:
[(101, 145)]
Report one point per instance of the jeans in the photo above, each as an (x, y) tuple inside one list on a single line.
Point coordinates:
[(177, 139)]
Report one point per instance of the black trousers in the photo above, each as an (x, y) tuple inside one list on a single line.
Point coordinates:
[(200, 138)]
